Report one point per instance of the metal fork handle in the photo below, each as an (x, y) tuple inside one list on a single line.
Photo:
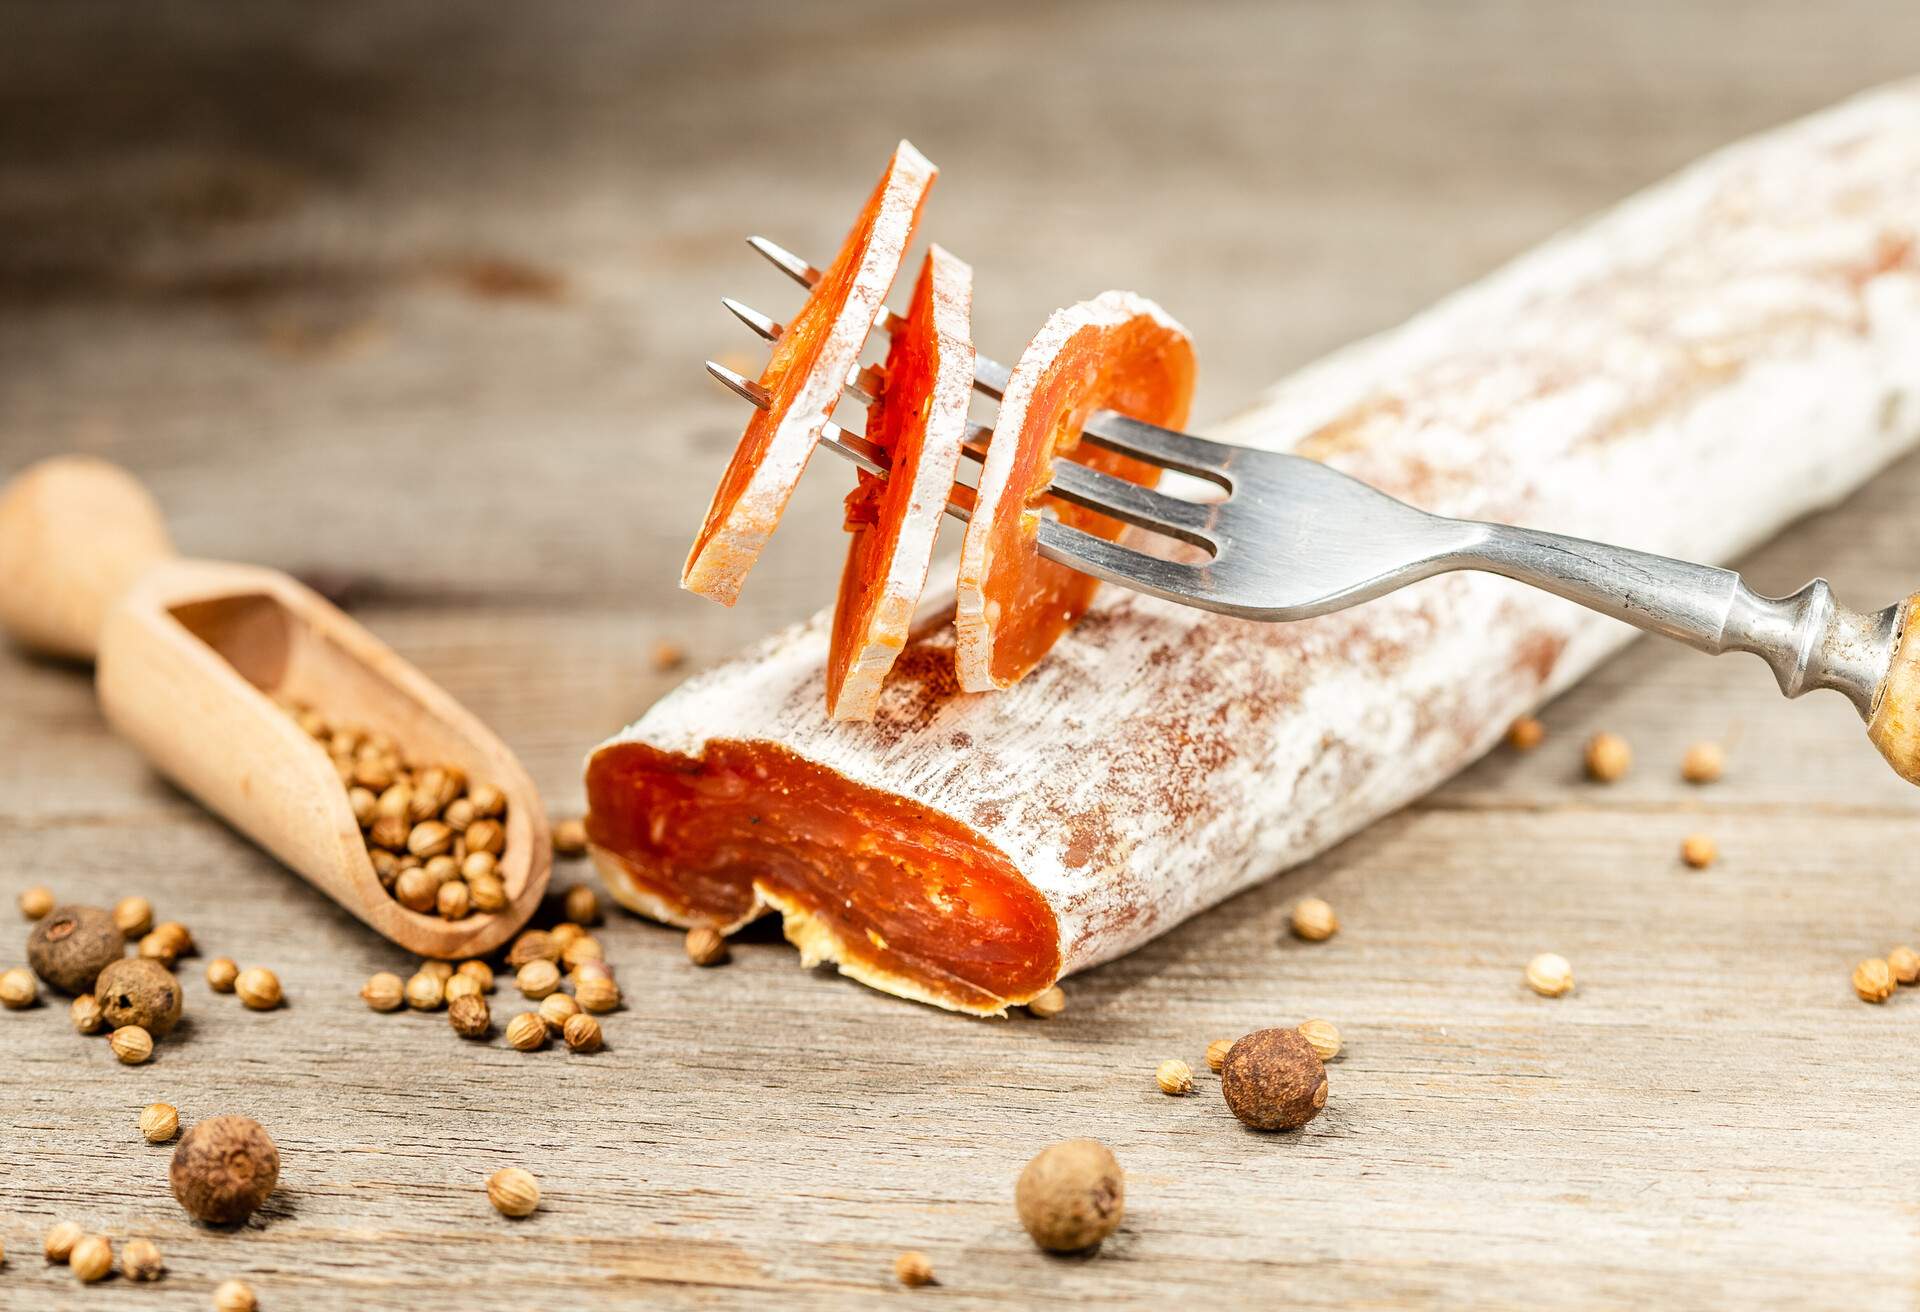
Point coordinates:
[(1807, 638)]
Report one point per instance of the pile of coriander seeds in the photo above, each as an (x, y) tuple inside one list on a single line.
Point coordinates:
[(436, 839)]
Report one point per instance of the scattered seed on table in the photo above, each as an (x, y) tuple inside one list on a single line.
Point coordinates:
[(527, 1032), (1608, 758), (233, 1296), (1174, 1077), (1703, 763), (1217, 1054), (384, 992), (1873, 980), (1324, 1038), (36, 902), (131, 1044), (1550, 975), (1049, 1004), (258, 989), (1314, 920), (222, 974), (159, 1123), (582, 1034), (913, 1269), (513, 1192), (1525, 734)]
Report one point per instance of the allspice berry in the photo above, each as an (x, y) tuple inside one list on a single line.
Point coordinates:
[(224, 1169), (537, 979), (384, 992), (1608, 757), (60, 1239), (1873, 980), (527, 1032), (91, 1259), (470, 1016), (1217, 1054), (1314, 921), (222, 974), (596, 994), (706, 947), (1049, 1004), (1071, 1196), (513, 1192), (135, 991), (141, 1260), (1174, 1077), (1324, 1038), (1703, 763), (160, 1123), (582, 1034), (1274, 1080), (1904, 962), (36, 902), (131, 1044), (133, 916), (88, 1018), (18, 989), (913, 1269), (73, 945), (233, 1296), (570, 838), (1550, 975), (1525, 734), (583, 905), (258, 989)]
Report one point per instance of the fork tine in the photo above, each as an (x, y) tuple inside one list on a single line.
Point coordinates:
[(752, 318), (1189, 521), (863, 382), (1083, 551), (786, 261), (1212, 461), (741, 385)]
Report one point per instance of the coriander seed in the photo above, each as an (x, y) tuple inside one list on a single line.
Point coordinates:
[(596, 994), (537, 979), (60, 1239), (1608, 758), (172, 931), (1048, 1004), (913, 1270), (160, 1123), (431, 838), (1525, 734), (1274, 1080), (479, 972), (705, 946), (1174, 1077), (384, 992), (1071, 1195), (460, 986), (222, 974), (1698, 851), (527, 1032), (36, 902), (534, 945), (86, 1014), (556, 1009), (477, 865), (668, 655), (582, 905), (1703, 763), (458, 815), (487, 892), (425, 992), (584, 948), (565, 935), (1324, 1038), (570, 839), (1904, 962), (91, 1259), (440, 970), (582, 1034), (1314, 920), (1873, 980), (234, 1296), (141, 1260), (470, 1016), (224, 1168), (485, 836), (131, 1044), (1550, 975), (159, 947), (133, 916), (365, 805), (454, 900), (513, 1192), (18, 989), (258, 989), (1217, 1054), (415, 890), (390, 832)]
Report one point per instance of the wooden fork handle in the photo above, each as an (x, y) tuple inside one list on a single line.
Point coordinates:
[(75, 532)]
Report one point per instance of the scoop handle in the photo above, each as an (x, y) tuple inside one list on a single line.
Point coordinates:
[(75, 532)]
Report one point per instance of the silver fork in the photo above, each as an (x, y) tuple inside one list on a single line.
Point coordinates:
[(1291, 538)]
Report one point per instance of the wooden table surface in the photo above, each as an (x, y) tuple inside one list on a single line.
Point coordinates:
[(410, 299)]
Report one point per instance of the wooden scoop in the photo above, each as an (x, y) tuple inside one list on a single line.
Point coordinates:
[(189, 655)]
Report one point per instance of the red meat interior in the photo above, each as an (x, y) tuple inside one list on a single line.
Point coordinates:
[(907, 890)]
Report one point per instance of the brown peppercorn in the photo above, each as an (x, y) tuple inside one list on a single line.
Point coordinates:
[(556, 1009), (222, 974), (1608, 757), (1048, 1004), (570, 839), (1217, 1054), (1873, 980), (72, 946), (1525, 734), (453, 900), (1071, 1196), (87, 1016), (1550, 975), (61, 1237), (224, 1169), (527, 1032), (460, 986), (487, 892), (913, 1269), (1703, 763), (1314, 920), (18, 989), (36, 902), (1174, 1077), (135, 991), (1274, 1080), (582, 905), (513, 1192), (1904, 962), (1698, 851), (425, 992), (537, 979), (470, 1016), (258, 989), (582, 1033), (160, 1123), (384, 992), (415, 890), (596, 994), (234, 1296), (91, 1259), (1324, 1038), (131, 1044), (479, 972), (704, 946), (534, 945), (141, 1260), (133, 916)]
